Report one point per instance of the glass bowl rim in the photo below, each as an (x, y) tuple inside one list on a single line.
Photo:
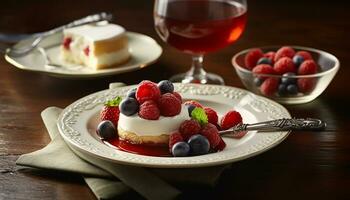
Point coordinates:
[(335, 67)]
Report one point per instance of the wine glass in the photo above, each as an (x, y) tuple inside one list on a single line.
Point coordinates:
[(198, 27)]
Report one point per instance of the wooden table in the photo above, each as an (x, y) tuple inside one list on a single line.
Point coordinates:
[(307, 165)]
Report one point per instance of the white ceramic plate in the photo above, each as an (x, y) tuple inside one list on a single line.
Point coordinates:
[(144, 51), (77, 125)]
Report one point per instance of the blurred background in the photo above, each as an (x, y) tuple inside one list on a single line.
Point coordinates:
[(314, 23), (28, 16)]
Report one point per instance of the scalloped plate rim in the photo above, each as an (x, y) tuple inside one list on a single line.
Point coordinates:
[(136, 160)]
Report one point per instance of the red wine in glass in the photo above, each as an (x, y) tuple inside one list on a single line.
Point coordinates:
[(198, 27)]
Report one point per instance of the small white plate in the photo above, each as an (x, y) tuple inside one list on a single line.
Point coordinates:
[(144, 51), (77, 125)]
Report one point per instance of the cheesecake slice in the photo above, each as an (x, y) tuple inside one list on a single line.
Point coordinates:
[(137, 130), (96, 46)]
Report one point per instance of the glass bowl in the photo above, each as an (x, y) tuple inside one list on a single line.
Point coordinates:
[(308, 86)]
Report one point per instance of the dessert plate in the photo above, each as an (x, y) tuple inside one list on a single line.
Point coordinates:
[(77, 125), (46, 59)]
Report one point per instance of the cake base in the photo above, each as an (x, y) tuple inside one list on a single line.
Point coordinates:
[(115, 64), (159, 140)]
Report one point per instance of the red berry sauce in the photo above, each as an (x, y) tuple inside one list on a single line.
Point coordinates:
[(147, 150)]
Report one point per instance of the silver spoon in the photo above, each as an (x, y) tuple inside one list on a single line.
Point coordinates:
[(278, 125), (17, 52)]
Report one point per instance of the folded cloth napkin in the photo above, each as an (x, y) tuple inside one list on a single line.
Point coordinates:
[(109, 180)]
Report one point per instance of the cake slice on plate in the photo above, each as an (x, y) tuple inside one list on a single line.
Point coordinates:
[(151, 119), (96, 46)]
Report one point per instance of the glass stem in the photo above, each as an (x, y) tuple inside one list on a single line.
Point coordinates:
[(196, 70)]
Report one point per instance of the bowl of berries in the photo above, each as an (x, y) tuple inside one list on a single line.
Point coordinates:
[(288, 74)]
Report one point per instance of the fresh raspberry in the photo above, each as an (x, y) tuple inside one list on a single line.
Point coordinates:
[(212, 134), (270, 55), (174, 138), (307, 67), (66, 43), (149, 110), (188, 128), (306, 85), (169, 105), (263, 69), (252, 57), (87, 51), (195, 103), (110, 111), (221, 146), (306, 55), (284, 52), (178, 96), (147, 90), (269, 86), (230, 119), (284, 65), (212, 115)]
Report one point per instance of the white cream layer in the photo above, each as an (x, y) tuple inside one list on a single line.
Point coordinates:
[(143, 127), (76, 54), (96, 32), (106, 59)]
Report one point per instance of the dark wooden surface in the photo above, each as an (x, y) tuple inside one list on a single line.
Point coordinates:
[(307, 165)]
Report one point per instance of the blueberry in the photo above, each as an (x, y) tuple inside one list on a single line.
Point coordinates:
[(264, 60), (282, 89), (199, 145), (297, 60), (129, 106), (286, 79), (180, 149), (131, 93), (106, 130), (258, 81), (166, 86), (190, 108), (292, 89)]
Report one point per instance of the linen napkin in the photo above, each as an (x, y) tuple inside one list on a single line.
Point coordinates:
[(108, 180)]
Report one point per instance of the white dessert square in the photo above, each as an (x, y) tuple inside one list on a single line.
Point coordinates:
[(95, 46)]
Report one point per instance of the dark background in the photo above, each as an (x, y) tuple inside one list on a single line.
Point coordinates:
[(305, 166), (319, 24)]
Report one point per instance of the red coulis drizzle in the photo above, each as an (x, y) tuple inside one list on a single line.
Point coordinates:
[(147, 150)]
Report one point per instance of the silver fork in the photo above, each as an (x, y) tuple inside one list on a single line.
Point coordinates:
[(17, 52), (310, 124)]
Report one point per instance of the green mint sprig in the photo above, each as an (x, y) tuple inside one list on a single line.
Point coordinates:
[(114, 102), (199, 115)]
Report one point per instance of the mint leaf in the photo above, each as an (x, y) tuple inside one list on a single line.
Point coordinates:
[(199, 115), (114, 102)]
